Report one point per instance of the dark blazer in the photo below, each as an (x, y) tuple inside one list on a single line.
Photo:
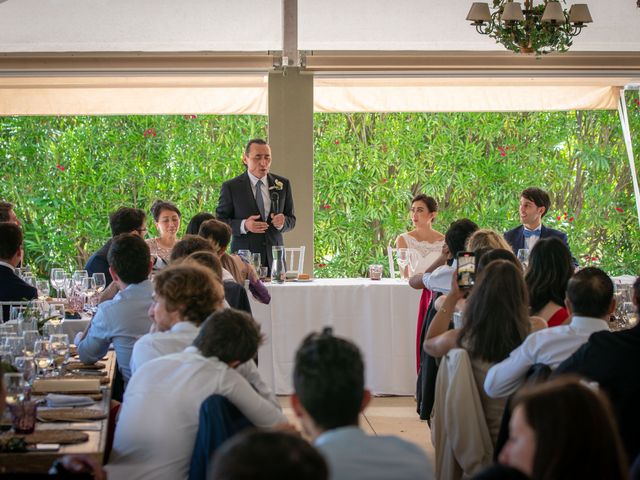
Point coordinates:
[(515, 238), (98, 263), (237, 203), (611, 359), (13, 289)]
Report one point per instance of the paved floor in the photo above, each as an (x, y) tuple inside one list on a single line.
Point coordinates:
[(387, 416)]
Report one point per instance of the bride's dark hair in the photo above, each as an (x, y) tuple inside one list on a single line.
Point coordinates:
[(430, 202)]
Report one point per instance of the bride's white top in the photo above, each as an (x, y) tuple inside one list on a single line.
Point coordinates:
[(427, 252)]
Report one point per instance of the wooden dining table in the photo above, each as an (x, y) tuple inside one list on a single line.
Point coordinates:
[(40, 461)]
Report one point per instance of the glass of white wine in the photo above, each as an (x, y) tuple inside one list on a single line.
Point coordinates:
[(59, 350), (42, 356), (14, 386)]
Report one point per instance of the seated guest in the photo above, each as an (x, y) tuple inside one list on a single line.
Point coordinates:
[(589, 300), (564, 429), (123, 220), (487, 255), (437, 278), (193, 227), (219, 233), (167, 219), (494, 323), (158, 420), (548, 272), (328, 379), (234, 293), (12, 287), (7, 213), (268, 456), (124, 319), (184, 296), (534, 205), (611, 359), (486, 238)]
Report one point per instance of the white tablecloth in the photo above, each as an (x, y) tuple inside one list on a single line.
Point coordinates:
[(379, 316)]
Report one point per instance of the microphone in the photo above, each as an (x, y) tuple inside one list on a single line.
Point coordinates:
[(275, 202)]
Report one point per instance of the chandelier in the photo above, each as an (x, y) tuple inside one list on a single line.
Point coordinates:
[(538, 29)]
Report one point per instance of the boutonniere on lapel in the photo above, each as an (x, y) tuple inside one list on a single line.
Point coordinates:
[(277, 185)]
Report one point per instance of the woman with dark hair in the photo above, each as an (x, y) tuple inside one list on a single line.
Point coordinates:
[(494, 322), (167, 219), (426, 245), (564, 429), (193, 227), (550, 268)]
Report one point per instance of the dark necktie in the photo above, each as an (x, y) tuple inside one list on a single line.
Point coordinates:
[(260, 200)]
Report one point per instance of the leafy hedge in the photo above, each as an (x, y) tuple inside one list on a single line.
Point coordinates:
[(67, 173)]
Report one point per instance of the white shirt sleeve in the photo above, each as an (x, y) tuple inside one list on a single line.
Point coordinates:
[(260, 411), (440, 279), (143, 351), (506, 377), (249, 370)]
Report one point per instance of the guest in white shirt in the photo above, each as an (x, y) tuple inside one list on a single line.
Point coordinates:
[(590, 301), (158, 420), (185, 295), (123, 319), (329, 396)]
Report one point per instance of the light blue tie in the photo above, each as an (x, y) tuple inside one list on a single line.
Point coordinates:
[(260, 200)]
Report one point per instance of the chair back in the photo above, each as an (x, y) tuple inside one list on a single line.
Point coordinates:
[(294, 259), (5, 308), (218, 421)]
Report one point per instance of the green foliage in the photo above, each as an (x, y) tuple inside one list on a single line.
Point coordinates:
[(67, 173)]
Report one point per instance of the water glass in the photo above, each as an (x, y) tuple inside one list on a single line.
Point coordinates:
[(99, 281), (27, 366), (43, 289), (263, 272), (523, 257), (30, 338), (23, 416), (402, 257), (14, 345), (256, 261), (375, 272), (245, 255), (14, 387)]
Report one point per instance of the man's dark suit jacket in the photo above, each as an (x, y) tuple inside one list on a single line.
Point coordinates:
[(612, 359), (515, 238), (98, 263), (13, 289), (237, 203)]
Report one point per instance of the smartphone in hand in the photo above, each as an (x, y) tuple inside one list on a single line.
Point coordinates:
[(466, 270)]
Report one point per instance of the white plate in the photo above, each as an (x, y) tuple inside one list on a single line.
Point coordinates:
[(303, 280)]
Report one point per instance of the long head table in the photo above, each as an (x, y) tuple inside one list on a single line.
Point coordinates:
[(379, 316)]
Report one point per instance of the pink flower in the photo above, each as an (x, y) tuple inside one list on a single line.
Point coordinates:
[(384, 180), (558, 217), (638, 102), (571, 219), (60, 167), (189, 117), (337, 142), (502, 152), (150, 132), (322, 265), (619, 210), (325, 207)]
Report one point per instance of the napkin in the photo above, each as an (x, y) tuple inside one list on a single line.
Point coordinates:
[(57, 400)]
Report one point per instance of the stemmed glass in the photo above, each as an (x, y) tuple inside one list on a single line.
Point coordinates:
[(27, 366), (30, 338), (42, 356), (402, 257), (523, 257), (245, 255), (56, 314), (88, 289), (77, 277), (14, 345), (57, 280), (43, 289), (99, 281), (59, 350)]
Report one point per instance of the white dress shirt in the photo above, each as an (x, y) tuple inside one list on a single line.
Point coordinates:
[(533, 239), (550, 346), (159, 344), (440, 279), (158, 420), (266, 198)]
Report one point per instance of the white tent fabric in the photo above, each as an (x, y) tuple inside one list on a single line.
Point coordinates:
[(451, 95), (224, 94), (624, 121)]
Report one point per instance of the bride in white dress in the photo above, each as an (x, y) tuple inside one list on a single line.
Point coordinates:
[(425, 242)]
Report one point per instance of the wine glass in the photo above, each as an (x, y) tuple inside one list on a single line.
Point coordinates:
[(27, 366), (77, 277), (245, 255), (100, 281), (43, 289), (256, 261), (14, 344), (57, 280), (14, 387), (402, 257), (59, 350), (523, 257), (42, 356), (88, 288), (30, 338)]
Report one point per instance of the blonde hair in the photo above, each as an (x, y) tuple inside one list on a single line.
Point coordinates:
[(191, 288), (486, 238)]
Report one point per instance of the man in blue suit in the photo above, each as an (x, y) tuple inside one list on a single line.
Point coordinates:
[(12, 287), (258, 205), (534, 204)]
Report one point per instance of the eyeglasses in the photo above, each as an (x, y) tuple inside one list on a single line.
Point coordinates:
[(142, 231)]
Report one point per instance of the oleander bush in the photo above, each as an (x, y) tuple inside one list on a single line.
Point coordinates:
[(67, 173)]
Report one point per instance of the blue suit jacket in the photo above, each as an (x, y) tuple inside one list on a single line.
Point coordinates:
[(515, 238), (14, 289), (237, 203)]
